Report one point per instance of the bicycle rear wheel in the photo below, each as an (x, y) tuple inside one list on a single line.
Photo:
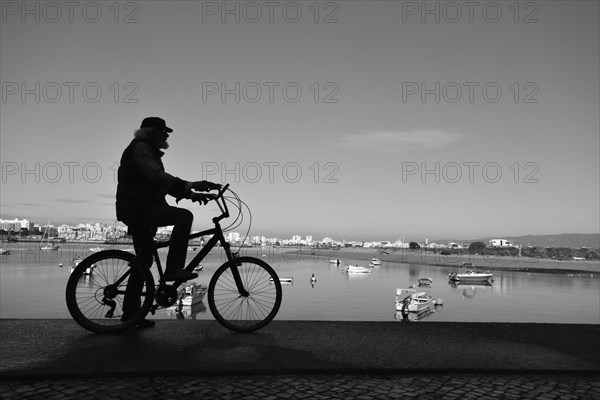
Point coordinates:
[(96, 289), (241, 313)]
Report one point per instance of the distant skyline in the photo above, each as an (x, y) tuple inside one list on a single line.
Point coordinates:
[(361, 120)]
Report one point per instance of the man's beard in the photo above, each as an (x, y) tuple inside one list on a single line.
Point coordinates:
[(163, 145)]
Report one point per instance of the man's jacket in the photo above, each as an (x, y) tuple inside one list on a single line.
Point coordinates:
[(143, 182)]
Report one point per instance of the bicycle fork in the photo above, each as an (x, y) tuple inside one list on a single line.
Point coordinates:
[(235, 271)]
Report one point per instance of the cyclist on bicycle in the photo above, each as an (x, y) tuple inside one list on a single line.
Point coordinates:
[(141, 205)]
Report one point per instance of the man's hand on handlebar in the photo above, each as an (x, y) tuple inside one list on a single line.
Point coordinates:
[(205, 186), (202, 198)]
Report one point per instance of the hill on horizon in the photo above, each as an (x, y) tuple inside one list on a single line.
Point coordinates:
[(571, 240)]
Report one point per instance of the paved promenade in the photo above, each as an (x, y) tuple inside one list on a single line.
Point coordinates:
[(297, 359)]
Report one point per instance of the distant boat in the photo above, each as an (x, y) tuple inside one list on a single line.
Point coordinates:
[(468, 274), (425, 281), (47, 245), (4, 252), (287, 281), (88, 271), (335, 261), (375, 261), (95, 249), (355, 269)]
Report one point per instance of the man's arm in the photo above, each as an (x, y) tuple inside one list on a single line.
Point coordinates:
[(145, 162)]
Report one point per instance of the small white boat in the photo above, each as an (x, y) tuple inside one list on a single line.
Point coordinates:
[(425, 281), (410, 300), (192, 248), (192, 294), (47, 245), (95, 249), (335, 261), (88, 271), (199, 268), (4, 252), (375, 261), (286, 281), (468, 274), (355, 269)]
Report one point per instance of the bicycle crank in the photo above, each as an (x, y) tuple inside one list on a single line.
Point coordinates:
[(166, 296)]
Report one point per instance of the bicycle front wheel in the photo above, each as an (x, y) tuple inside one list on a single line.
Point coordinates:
[(251, 310), (96, 291)]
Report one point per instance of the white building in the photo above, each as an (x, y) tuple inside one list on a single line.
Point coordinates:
[(500, 243), (233, 237), (15, 224)]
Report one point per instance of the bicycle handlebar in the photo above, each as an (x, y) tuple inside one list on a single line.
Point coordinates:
[(222, 207)]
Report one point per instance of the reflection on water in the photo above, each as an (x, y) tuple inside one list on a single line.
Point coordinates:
[(469, 290), (33, 287), (418, 316), (186, 312)]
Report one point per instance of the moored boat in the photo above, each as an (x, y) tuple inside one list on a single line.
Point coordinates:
[(425, 281), (4, 252), (88, 271), (410, 300), (470, 276), (192, 294), (355, 269), (375, 261), (47, 245), (285, 280)]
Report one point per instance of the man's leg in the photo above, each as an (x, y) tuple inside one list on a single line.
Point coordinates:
[(181, 219), (142, 242)]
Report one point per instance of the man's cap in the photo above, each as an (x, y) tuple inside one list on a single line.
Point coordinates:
[(155, 122)]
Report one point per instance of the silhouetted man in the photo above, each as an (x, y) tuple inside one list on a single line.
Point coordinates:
[(141, 205)]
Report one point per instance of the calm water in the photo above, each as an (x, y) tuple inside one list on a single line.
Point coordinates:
[(32, 286)]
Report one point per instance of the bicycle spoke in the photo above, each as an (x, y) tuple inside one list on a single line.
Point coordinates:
[(92, 297), (250, 312)]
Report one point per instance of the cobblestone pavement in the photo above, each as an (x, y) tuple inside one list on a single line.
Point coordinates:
[(364, 387)]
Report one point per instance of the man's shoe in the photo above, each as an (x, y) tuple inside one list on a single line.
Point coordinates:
[(179, 275), (146, 323)]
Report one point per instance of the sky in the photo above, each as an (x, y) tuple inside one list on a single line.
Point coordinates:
[(357, 120)]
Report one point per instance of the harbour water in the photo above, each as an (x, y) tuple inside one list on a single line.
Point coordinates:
[(32, 285)]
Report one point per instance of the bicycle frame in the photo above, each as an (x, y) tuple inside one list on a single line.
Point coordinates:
[(217, 237)]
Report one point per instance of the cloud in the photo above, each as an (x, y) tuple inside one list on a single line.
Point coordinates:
[(376, 141), (72, 201)]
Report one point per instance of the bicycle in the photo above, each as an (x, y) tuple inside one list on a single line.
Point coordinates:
[(244, 294)]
